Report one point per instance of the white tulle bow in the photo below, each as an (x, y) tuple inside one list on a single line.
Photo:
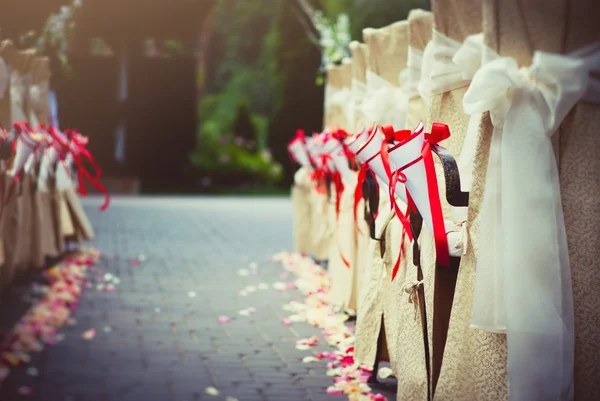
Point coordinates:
[(523, 279)]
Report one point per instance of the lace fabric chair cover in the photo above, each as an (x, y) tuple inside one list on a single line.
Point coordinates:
[(405, 313), (372, 302), (383, 297), (517, 29), (455, 20)]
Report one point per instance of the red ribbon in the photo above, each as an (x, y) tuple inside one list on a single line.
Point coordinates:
[(362, 176), (339, 189), (78, 156), (439, 132), (396, 176)]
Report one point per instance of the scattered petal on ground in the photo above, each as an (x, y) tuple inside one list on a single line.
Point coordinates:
[(286, 322), (25, 391), (40, 326), (88, 335), (312, 280), (191, 294), (253, 265), (279, 286), (211, 391), (243, 272)]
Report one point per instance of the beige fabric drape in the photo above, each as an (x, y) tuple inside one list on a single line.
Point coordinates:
[(475, 360)]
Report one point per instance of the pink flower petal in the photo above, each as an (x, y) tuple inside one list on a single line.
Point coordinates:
[(334, 391), (223, 319), (25, 391), (286, 322)]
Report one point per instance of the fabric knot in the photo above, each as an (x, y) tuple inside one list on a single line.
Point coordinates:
[(412, 289), (384, 102)]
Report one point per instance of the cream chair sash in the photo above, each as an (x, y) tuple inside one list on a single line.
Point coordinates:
[(440, 74), (384, 102), (523, 280), (449, 65)]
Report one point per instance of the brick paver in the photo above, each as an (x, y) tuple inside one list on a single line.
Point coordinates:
[(158, 338)]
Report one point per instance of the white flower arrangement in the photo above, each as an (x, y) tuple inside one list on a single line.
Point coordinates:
[(334, 37), (331, 37)]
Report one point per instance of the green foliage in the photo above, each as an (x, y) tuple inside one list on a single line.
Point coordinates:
[(246, 84)]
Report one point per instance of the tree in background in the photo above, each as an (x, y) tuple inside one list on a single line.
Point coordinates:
[(242, 85)]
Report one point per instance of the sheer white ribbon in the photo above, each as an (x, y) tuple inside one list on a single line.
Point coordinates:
[(523, 279), (411, 75), (384, 102), (450, 65), (4, 78), (439, 73)]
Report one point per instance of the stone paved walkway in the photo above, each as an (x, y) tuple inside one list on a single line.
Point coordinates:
[(158, 338)]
